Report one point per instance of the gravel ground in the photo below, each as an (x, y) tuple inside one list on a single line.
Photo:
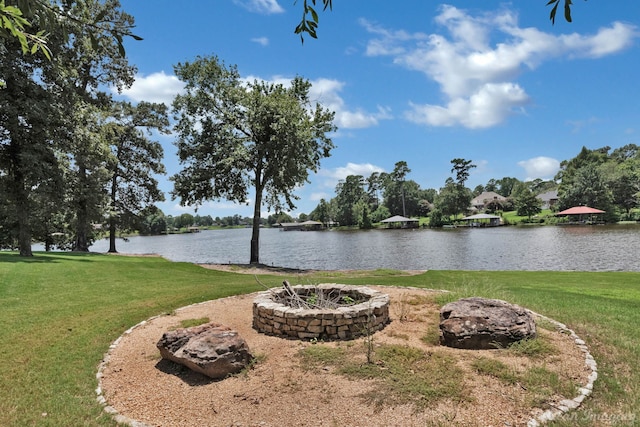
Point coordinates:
[(141, 386)]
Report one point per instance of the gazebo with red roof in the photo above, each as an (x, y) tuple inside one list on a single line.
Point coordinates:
[(580, 211)]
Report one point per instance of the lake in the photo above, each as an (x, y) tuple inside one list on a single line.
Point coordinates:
[(556, 248)]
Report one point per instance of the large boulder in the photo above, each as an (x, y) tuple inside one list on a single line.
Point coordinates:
[(210, 349), (480, 323)]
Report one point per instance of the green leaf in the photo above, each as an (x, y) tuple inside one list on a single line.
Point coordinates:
[(567, 10), (552, 16), (101, 15)]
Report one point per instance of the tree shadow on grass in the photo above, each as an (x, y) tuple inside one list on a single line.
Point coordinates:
[(45, 257)]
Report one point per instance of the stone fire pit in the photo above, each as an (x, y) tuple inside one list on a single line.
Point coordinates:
[(358, 311)]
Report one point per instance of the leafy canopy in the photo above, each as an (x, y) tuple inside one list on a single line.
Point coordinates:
[(235, 135)]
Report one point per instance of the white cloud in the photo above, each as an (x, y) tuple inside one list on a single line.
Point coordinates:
[(488, 107), (476, 76), (264, 41), (156, 87), (540, 167), (333, 176), (579, 125), (266, 7), (607, 41)]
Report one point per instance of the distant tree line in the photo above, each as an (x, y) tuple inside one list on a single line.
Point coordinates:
[(599, 178)]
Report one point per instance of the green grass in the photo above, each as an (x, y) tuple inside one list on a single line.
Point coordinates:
[(60, 312), (495, 368), (541, 383), (188, 323), (403, 374)]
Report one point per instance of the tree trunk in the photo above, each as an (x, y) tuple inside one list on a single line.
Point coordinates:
[(112, 216), (21, 200), (24, 228), (255, 235), (82, 229)]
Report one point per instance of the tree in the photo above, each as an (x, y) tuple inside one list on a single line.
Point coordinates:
[(31, 23), (349, 195), (86, 62), (526, 202), (625, 190), (539, 186), (588, 188), (506, 185), (394, 189), (152, 221), (233, 136), (29, 115), (624, 178), (87, 176), (379, 214), (462, 169), (133, 162), (374, 184), (453, 199), (322, 212), (569, 168), (278, 218), (183, 221), (492, 185)]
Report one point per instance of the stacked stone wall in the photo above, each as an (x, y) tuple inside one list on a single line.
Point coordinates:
[(342, 323)]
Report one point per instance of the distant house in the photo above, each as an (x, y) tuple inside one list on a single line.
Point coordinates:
[(549, 199), (301, 226), (479, 202), (483, 220)]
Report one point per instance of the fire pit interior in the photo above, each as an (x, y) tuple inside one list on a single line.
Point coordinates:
[(327, 311)]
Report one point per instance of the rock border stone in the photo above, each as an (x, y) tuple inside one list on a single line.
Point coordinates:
[(342, 323), (547, 416), (568, 404)]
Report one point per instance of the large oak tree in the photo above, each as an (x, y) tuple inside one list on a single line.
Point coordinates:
[(234, 136)]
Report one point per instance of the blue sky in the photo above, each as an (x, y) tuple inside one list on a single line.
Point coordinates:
[(417, 81)]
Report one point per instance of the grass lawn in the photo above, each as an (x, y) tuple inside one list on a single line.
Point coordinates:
[(60, 312)]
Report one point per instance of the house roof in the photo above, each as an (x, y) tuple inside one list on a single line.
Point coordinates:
[(485, 197), (300, 224), (399, 218), (481, 216), (549, 195)]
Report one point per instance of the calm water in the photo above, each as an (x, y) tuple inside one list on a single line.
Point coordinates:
[(582, 248)]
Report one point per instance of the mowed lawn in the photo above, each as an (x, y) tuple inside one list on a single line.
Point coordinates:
[(60, 312)]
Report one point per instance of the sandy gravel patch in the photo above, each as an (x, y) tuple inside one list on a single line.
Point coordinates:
[(139, 385)]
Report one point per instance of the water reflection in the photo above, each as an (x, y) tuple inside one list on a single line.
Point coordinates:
[(582, 248)]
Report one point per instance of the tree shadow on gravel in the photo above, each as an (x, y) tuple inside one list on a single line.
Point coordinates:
[(190, 377)]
